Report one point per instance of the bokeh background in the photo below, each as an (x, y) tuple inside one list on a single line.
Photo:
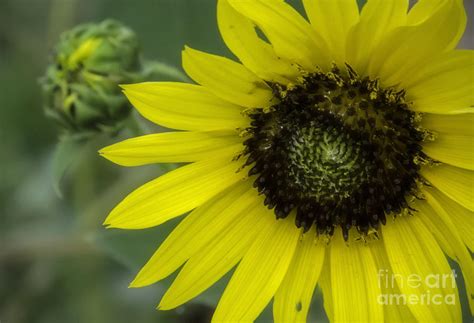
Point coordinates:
[(57, 262)]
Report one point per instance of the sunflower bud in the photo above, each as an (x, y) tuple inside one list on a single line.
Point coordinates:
[(80, 87)]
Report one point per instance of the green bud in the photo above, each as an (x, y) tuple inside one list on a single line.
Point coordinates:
[(80, 87)]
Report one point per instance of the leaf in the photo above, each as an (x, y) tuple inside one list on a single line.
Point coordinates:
[(68, 150)]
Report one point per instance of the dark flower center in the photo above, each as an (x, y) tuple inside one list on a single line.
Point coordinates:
[(337, 149)]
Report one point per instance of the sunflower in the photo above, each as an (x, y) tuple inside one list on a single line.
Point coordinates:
[(338, 153)]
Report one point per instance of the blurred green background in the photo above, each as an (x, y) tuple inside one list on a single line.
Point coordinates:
[(57, 262)]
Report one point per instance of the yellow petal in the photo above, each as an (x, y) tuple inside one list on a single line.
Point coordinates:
[(424, 9), (431, 221), (216, 258), (325, 284), (445, 85), (227, 79), (409, 47), (258, 56), (377, 19), (333, 20), (293, 298), (393, 312), (462, 218), (184, 106), (173, 147), (260, 272), (452, 149), (414, 254), (456, 183), (454, 62), (174, 193), (441, 225), (457, 124), (354, 282), (291, 36), (195, 231)]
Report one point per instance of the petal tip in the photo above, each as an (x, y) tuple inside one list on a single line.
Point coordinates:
[(187, 50), (134, 284), (103, 151), (139, 282), (127, 87), (110, 220), (167, 303)]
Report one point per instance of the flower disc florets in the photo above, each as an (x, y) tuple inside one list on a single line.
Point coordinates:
[(337, 149)]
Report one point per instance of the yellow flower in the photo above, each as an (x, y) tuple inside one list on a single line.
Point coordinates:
[(338, 153)]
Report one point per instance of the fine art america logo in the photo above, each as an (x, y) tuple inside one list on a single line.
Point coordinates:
[(427, 290)]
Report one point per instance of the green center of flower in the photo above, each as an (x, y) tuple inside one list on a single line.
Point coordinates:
[(337, 149), (326, 164)]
